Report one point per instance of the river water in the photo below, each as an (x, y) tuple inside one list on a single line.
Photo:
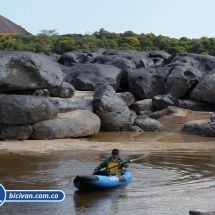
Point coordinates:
[(163, 183)]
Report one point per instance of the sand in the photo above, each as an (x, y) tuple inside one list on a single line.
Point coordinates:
[(173, 123), (39, 147)]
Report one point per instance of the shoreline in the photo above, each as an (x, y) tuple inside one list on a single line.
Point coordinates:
[(47, 147)]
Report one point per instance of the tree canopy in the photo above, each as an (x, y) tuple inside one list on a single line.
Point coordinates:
[(47, 41)]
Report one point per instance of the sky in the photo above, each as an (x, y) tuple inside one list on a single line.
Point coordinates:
[(172, 18)]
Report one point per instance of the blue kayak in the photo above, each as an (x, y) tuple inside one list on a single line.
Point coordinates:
[(90, 182)]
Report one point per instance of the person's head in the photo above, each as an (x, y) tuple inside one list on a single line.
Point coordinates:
[(115, 154)]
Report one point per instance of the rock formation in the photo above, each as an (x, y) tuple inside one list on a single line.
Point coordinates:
[(84, 91)]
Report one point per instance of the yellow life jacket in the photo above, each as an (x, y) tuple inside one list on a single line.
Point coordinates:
[(113, 168)]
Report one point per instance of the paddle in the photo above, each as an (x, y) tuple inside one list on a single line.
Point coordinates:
[(132, 160)]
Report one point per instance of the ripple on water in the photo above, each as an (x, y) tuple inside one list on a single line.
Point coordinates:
[(163, 183)]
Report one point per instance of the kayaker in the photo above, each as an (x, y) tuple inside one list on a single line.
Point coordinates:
[(113, 165)]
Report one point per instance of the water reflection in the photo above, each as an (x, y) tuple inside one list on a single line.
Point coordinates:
[(86, 201), (162, 183), (147, 136)]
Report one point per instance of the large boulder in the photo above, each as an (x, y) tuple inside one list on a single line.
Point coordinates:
[(142, 105), (144, 83), (181, 80), (204, 63), (187, 70), (161, 102), (53, 56), (195, 126), (140, 59), (78, 123), (210, 210), (16, 132), (113, 111), (79, 101), (21, 70), (148, 124), (64, 91), (65, 70), (127, 97), (175, 118), (23, 109), (204, 90), (80, 56), (160, 58), (124, 64), (209, 130), (89, 76), (199, 105)]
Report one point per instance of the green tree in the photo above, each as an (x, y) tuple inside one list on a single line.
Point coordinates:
[(133, 41), (195, 46), (50, 41), (128, 34), (63, 44), (101, 33), (48, 32), (146, 44)]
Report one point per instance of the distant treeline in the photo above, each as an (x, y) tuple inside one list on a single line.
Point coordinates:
[(48, 41)]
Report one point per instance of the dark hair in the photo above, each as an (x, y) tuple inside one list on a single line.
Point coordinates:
[(115, 151)]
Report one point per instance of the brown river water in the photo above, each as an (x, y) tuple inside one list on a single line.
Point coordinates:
[(164, 183)]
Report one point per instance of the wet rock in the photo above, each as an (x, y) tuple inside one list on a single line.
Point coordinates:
[(199, 105), (78, 123), (213, 118), (113, 111), (136, 128), (209, 130), (21, 70), (156, 114), (175, 117), (203, 211), (195, 126), (21, 109), (148, 124)]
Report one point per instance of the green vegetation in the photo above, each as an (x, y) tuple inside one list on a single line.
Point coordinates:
[(50, 41)]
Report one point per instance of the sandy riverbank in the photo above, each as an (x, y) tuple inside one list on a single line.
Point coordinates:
[(173, 123), (34, 147)]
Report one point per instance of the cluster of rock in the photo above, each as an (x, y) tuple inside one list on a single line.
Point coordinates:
[(203, 211), (80, 92)]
